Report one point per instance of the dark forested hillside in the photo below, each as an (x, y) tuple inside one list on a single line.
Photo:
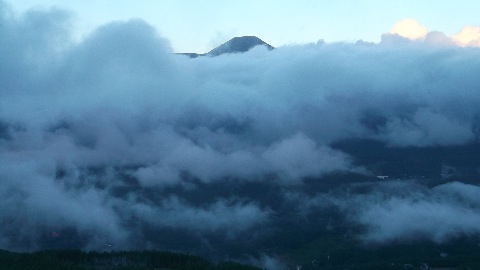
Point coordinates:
[(78, 260), (330, 252)]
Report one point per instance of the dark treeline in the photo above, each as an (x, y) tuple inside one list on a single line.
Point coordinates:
[(77, 260), (332, 252), (329, 252)]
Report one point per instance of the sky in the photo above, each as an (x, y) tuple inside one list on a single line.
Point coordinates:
[(112, 138), (199, 26)]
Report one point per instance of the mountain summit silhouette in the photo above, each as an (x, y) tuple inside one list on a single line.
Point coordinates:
[(239, 45)]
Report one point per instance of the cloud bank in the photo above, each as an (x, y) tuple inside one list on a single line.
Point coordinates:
[(110, 139)]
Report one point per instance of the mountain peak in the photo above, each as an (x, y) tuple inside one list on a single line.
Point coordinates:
[(238, 45)]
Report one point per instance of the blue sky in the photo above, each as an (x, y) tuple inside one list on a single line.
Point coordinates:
[(198, 26)]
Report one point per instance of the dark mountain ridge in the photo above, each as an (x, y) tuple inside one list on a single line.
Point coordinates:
[(239, 45), (234, 45)]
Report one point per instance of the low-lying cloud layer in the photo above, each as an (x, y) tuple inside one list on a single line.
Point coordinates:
[(406, 211), (99, 139), (450, 209)]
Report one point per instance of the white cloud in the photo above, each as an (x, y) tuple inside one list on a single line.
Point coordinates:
[(409, 28), (469, 36)]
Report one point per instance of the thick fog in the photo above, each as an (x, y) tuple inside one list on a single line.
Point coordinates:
[(101, 139)]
